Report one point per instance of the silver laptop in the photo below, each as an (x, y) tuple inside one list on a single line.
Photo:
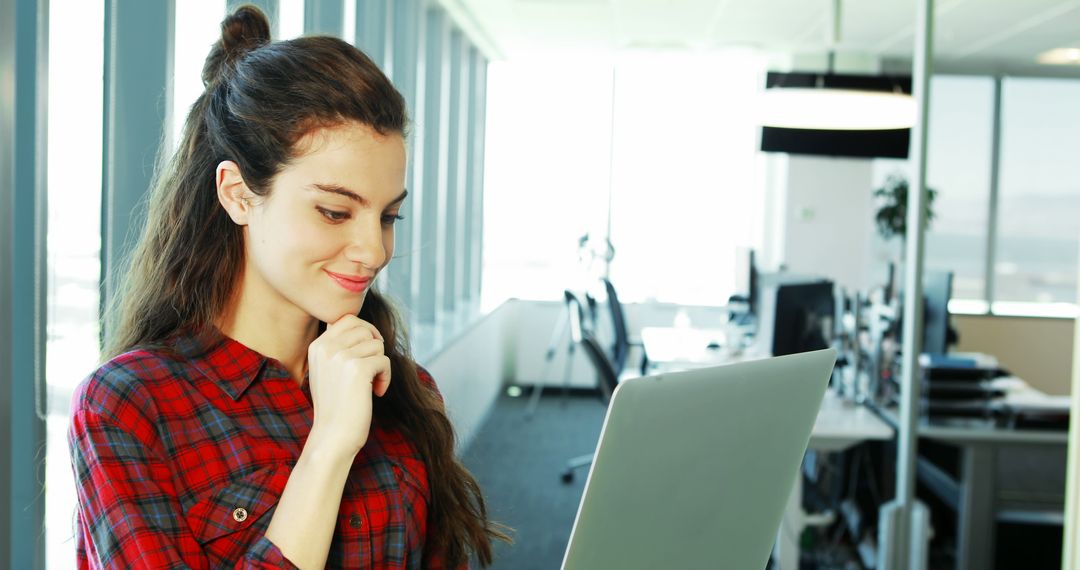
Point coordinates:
[(694, 468)]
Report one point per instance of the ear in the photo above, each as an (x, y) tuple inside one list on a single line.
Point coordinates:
[(233, 193)]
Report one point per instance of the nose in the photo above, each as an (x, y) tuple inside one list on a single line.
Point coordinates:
[(366, 246)]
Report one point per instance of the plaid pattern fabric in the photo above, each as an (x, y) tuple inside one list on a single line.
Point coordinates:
[(181, 452)]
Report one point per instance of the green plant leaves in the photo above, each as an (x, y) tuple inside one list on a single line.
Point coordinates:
[(891, 216)]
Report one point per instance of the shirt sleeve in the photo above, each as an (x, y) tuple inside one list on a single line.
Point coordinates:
[(129, 516), (428, 381)]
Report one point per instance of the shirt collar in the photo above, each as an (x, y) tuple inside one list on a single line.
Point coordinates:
[(227, 362)]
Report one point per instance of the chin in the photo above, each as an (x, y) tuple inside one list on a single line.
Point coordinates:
[(331, 312)]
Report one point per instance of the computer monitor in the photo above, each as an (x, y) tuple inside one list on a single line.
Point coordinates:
[(937, 290), (890, 284), (804, 317), (745, 276), (745, 299), (754, 279)]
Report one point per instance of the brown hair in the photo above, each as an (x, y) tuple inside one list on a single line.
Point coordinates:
[(261, 99)]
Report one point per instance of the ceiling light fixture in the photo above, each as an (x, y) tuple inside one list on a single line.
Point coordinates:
[(1060, 56), (831, 101)]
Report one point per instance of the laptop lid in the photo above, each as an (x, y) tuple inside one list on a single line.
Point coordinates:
[(694, 468)]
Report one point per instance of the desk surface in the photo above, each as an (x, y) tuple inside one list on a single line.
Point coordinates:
[(964, 431), (680, 348), (980, 432), (840, 424)]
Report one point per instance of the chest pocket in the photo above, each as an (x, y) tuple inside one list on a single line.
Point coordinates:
[(236, 510), (415, 494), (407, 472)]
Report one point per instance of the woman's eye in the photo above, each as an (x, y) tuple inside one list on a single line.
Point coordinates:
[(333, 215), (390, 219)]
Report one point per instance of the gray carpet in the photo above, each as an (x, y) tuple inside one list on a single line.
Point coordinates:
[(518, 462)]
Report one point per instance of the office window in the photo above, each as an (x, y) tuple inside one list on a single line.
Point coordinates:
[(1039, 192), (669, 143), (369, 26), (686, 194), (959, 149), (959, 168), (76, 58), (1038, 200), (449, 212), (348, 30), (475, 177), (433, 133), (197, 29), (291, 24), (545, 183), (407, 71)]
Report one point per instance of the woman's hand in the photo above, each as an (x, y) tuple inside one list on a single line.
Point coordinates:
[(346, 365)]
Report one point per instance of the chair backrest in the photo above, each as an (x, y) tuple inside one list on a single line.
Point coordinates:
[(590, 311), (576, 312), (606, 375), (621, 346)]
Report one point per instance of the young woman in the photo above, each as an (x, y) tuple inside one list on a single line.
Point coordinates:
[(260, 407)]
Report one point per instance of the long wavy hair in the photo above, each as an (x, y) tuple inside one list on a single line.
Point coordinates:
[(261, 98)]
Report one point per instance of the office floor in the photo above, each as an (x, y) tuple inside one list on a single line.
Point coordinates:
[(518, 462)]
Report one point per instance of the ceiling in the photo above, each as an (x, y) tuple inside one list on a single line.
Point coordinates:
[(974, 33)]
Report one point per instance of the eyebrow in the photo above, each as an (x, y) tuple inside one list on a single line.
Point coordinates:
[(343, 191)]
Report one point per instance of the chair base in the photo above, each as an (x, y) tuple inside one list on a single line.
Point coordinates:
[(575, 463)]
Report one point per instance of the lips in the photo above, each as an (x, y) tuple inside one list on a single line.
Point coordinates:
[(350, 283)]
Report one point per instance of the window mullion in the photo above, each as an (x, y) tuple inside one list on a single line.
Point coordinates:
[(992, 216)]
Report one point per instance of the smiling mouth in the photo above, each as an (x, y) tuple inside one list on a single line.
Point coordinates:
[(350, 284)]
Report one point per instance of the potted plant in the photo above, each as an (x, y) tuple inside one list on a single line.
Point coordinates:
[(891, 216)]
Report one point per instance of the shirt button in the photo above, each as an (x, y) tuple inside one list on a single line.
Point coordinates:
[(239, 514), (355, 521)]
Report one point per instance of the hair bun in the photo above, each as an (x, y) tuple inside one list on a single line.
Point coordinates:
[(246, 29)]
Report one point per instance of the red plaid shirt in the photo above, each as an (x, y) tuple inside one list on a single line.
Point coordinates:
[(181, 454)]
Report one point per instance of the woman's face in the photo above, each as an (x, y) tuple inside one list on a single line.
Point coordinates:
[(316, 243)]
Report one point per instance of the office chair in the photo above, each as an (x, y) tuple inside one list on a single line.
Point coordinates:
[(574, 318), (620, 348), (607, 380)]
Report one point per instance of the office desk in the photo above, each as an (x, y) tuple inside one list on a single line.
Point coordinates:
[(839, 425), (682, 348), (974, 495)]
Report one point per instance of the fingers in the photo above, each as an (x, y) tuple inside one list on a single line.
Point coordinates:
[(354, 340), (352, 323), (364, 349), (345, 333), (381, 383), (349, 339), (367, 364)]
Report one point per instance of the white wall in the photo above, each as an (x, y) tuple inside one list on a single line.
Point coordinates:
[(774, 225), (819, 210), (532, 331), (471, 369), (828, 220)]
